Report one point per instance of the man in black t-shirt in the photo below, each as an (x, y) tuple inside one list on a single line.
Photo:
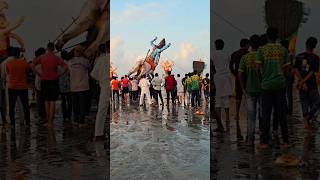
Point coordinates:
[(306, 65), (206, 87), (234, 66)]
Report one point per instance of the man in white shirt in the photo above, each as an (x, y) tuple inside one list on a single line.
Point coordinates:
[(157, 83), (144, 85), (180, 89), (222, 79), (100, 73)]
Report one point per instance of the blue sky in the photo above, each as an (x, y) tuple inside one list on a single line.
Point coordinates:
[(184, 23)]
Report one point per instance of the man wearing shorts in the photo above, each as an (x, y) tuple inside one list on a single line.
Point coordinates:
[(125, 88), (222, 79), (49, 79), (234, 66)]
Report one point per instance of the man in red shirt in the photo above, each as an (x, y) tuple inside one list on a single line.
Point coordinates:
[(49, 79), (125, 88), (17, 70), (115, 88), (170, 84)]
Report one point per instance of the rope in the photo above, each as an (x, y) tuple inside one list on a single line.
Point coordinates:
[(229, 23)]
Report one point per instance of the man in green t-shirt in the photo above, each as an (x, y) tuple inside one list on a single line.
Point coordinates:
[(273, 60), (195, 86), (249, 79)]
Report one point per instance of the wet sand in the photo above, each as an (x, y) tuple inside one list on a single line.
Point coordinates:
[(63, 153), (232, 159), (155, 143)]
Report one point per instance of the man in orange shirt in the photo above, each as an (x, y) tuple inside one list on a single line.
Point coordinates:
[(115, 87), (17, 70)]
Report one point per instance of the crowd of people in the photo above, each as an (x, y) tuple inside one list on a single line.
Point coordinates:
[(265, 76), (71, 77), (185, 91)]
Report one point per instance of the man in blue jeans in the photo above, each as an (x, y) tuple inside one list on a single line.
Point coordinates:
[(249, 79), (273, 60)]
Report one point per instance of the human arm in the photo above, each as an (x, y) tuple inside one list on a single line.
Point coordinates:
[(241, 73), (152, 42), (63, 65), (165, 47), (33, 65), (232, 65), (18, 39), (14, 26)]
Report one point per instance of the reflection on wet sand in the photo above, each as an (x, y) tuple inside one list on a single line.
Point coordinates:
[(159, 143), (63, 153), (232, 159)]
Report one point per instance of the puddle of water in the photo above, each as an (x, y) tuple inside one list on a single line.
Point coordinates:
[(158, 143)]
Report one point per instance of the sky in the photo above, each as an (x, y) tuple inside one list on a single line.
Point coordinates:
[(183, 23), (249, 17), (44, 19)]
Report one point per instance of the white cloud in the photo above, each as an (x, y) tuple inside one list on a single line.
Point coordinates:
[(134, 13), (186, 51)]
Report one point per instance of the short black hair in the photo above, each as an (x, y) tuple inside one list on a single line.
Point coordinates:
[(244, 42), (311, 42), (263, 40), (40, 51), (207, 75), (10, 51), (14, 51), (178, 75), (50, 46), (219, 43), (169, 72), (254, 41), (65, 55), (156, 74), (272, 33), (284, 43)]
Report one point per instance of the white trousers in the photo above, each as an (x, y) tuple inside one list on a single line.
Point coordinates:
[(147, 93), (102, 110)]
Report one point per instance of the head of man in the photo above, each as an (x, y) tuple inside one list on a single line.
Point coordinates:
[(219, 43), (285, 44), (244, 43), (40, 51), (14, 52), (169, 73), (195, 72), (272, 34), (156, 75), (50, 46), (254, 41), (311, 43)]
